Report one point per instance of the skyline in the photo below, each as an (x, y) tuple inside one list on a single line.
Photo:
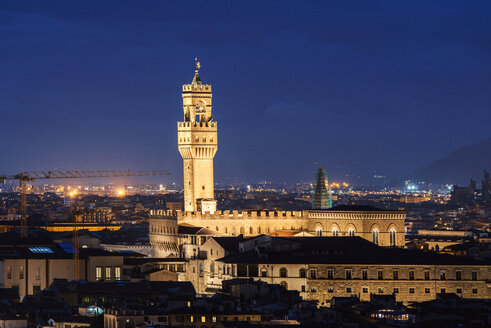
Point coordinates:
[(385, 91)]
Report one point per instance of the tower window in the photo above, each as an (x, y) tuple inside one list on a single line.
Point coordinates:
[(203, 187)]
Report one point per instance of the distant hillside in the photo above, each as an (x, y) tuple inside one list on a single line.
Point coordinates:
[(459, 166)]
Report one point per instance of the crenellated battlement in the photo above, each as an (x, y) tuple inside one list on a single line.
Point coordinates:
[(197, 126), (196, 88), (356, 215), (227, 215)]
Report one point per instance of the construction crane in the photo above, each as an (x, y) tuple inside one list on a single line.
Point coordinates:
[(26, 177)]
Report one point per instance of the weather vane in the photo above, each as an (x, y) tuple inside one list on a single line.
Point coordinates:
[(198, 65)]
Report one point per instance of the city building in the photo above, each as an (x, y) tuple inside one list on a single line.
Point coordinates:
[(197, 143), (324, 268), (32, 264), (321, 197)]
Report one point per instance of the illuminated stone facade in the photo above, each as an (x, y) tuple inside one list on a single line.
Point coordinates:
[(385, 228), (323, 268), (197, 140)]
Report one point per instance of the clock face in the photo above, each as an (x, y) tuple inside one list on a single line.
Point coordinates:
[(200, 109)]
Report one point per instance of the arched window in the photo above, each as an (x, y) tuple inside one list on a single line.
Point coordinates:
[(283, 273), (392, 236), (375, 236), (258, 230), (284, 284), (250, 230), (351, 232), (264, 272), (318, 231), (335, 231), (241, 230)]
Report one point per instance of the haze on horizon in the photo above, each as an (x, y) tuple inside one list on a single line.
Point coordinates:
[(361, 88)]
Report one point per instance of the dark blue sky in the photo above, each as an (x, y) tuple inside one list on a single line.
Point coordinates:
[(362, 87)]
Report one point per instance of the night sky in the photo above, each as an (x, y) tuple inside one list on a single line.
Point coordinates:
[(360, 87)]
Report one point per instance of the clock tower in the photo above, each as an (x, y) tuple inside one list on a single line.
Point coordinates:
[(197, 143)]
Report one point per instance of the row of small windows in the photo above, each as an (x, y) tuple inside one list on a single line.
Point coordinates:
[(107, 273), (396, 290), (351, 233), (395, 275), (21, 272), (283, 272), (196, 139)]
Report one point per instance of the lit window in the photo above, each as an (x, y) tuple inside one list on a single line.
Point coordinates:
[(392, 237), (203, 319), (98, 273), (117, 273), (21, 272), (108, 273), (375, 236)]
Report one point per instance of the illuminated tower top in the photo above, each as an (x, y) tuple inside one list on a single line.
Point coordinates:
[(196, 99), (197, 143)]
